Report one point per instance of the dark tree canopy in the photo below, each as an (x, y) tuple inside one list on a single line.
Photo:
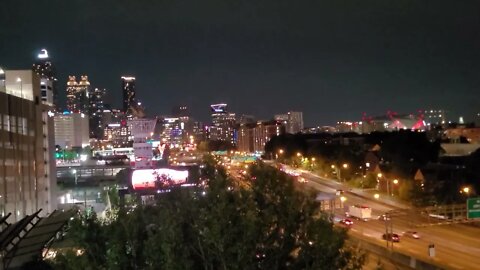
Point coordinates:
[(270, 225)]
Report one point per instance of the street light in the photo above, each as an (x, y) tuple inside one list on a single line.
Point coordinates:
[(342, 201), (75, 175), (345, 165), (376, 196), (21, 86), (465, 190), (299, 154), (395, 181)]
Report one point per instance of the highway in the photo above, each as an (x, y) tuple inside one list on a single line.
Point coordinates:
[(456, 246)]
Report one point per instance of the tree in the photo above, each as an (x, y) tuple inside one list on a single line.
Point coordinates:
[(270, 225)]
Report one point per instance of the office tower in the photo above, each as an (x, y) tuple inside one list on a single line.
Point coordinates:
[(116, 131), (128, 88), (252, 137), (183, 114), (293, 121), (223, 124), (245, 140), (96, 108), (26, 147), (78, 95), (198, 131), (434, 117), (173, 132), (71, 130), (283, 118), (181, 111), (45, 70), (245, 119)]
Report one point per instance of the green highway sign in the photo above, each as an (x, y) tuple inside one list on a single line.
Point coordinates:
[(473, 208)]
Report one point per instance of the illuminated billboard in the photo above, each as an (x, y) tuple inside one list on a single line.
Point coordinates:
[(158, 178)]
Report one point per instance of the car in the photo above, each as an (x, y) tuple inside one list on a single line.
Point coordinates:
[(391, 237), (339, 192), (412, 234), (383, 218), (302, 180), (346, 221)]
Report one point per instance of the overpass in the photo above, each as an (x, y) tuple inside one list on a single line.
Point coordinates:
[(88, 174)]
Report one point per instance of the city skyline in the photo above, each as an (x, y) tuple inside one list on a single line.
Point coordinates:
[(332, 61)]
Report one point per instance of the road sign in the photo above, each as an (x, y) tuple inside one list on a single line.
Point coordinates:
[(473, 207), (431, 250)]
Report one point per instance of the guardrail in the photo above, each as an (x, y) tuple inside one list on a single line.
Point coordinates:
[(395, 257)]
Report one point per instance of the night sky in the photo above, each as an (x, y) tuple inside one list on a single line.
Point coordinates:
[(333, 60)]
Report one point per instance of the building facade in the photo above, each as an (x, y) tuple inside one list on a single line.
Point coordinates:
[(173, 132), (96, 108), (44, 68), (223, 124), (78, 95), (128, 90), (293, 121), (27, 164), (252, 137), (116, 131), (71, 130)]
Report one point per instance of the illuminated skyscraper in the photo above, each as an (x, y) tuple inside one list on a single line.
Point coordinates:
[(78, 95), (96, 108), (128, 88), (223, 124), (45, 70), (293, 121)]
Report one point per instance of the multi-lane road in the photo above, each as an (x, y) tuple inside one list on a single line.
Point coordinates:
[(456, 246)]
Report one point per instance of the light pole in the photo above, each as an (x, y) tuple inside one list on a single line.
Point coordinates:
[(342, 201), (466, 191), (387, 182), (395, 183), (74, 171), (345, 167), (75, 175), (280, 153), (21, 86)]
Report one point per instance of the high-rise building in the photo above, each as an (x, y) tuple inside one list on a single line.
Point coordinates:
[(435, 117), (181, 111), (183, 114), (252, 137), (245, 119), (45, 70), (245, 142), (283, 118), (293, 121), (223, 124), (96, 112), (27, 163), (198, 132), (78, 95), (116, 130), (173, 132), (71, 130), (128, 88)]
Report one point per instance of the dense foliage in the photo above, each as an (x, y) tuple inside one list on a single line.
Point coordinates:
[(270, 225)]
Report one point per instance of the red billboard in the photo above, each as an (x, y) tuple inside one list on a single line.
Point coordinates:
[(158, 178)]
